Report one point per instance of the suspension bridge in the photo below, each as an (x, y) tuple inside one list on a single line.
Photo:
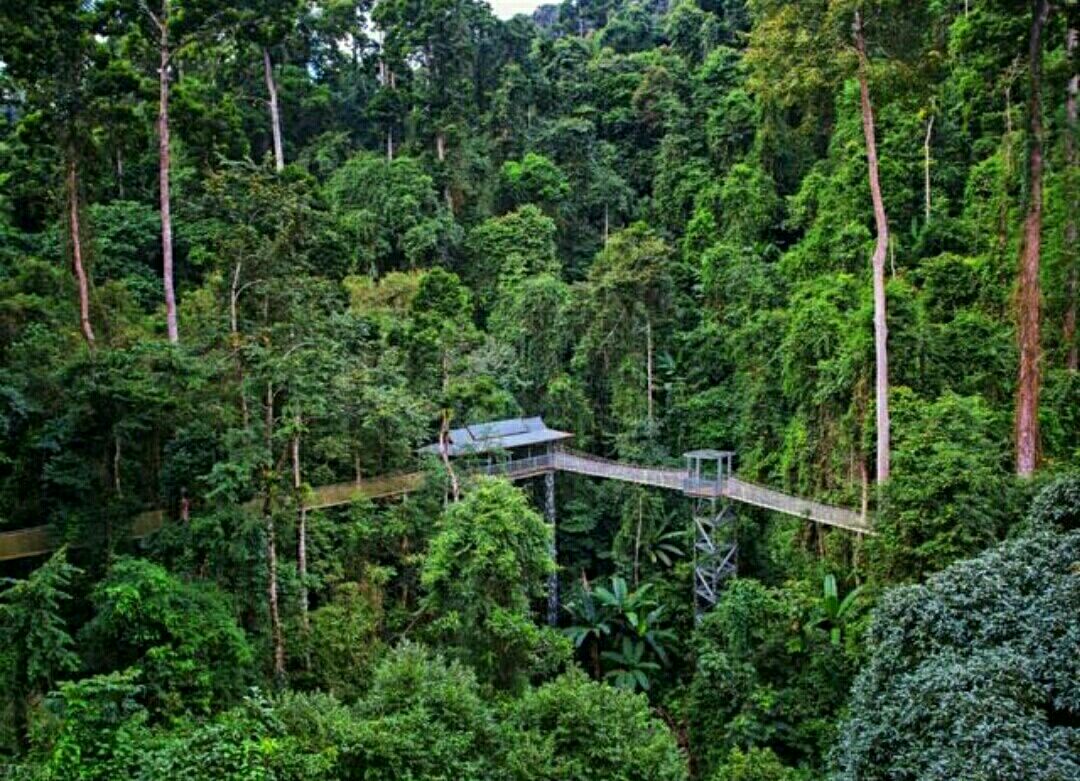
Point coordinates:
[(532, 450)]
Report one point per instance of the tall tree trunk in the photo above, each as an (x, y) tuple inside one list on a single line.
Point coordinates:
[(881, 329), (1072, 354), (272, 592), (649, 367), (275, 111), (76, 252), (301, 523), (234, 340), (164, 165), (277, 635), (553, 579), (926, 169), (1028, 299)]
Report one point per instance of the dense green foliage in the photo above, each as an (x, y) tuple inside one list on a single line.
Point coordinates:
[(651, 223), (975, 674)]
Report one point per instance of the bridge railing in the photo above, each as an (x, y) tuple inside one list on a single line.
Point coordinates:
[(701, 486), (771, 499), (595, 466), (515, 466)]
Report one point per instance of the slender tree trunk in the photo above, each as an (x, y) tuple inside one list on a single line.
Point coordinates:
[(234, 339), (1028, 299), (926, 167), (553, 579), (277, 635), (1072, 354), (864, 479), (164, 165), (444, 452), (881, 329), (301, 521), (272, 594), (77, 253), (275, 111), (391, 83), (637, 545), (649, 367), (440, 152), (116, 467), (119, 171)]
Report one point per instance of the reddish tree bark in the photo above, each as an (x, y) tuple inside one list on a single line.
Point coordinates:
[(77, 254), (1028, 299), (881, 248)]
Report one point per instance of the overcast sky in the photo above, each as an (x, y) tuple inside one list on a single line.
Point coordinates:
[(507, 8)]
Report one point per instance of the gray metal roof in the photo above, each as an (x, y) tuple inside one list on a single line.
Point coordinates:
[(499, 435), (708, 453)]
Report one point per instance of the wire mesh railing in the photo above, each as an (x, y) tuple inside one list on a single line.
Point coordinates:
[(731, 487), (771, 499), (516, 467), (594, 466)]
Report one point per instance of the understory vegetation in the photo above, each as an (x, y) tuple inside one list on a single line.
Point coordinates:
[(249, 250)]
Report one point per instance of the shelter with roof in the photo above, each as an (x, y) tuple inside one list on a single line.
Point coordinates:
[(519, 437)]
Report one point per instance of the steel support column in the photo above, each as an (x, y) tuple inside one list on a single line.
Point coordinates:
[(715, 551)]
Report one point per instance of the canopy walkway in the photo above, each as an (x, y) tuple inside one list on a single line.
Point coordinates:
[(40, 540), (727, 487)]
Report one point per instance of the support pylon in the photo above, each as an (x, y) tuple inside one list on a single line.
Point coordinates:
[(715, 551)]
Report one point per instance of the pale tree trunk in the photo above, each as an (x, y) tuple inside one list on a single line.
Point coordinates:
[(1072, 355), (440, 152), (649, 368), (1028, 298), (301, 520), (77, 253), (275, 111), (926, 168), (116, 466), (272, 594), (277, 635), (881, 248), (234, 338), (279, 152), (388, 83), (120, 173), (164, 165)]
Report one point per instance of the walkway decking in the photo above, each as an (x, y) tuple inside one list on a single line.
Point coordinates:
[(40, 540)]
